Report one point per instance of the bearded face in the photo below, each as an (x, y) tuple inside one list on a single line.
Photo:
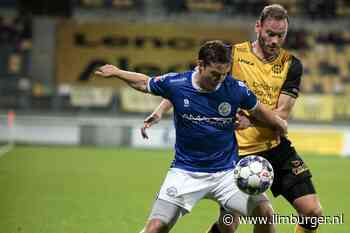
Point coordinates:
[(271, 34)]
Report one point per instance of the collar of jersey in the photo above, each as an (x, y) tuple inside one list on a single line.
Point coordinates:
[(195, 86)]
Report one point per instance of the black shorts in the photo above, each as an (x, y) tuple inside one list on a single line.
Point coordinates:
[(292, 176)]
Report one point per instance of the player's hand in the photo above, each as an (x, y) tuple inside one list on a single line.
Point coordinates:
[(107, 71), (152, 119), (242, 121)]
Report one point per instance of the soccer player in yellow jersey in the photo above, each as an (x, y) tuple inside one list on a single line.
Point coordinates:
[(274, 75)]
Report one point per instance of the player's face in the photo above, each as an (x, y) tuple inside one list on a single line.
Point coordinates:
[(271, 34), (213, 74)]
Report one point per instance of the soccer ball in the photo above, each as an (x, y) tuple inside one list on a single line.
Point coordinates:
[(254, 175)]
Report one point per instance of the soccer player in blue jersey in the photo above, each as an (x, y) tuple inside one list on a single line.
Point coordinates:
[(255, 64), (205, 103)]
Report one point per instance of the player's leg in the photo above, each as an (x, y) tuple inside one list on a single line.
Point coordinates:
[(179, 193), (223, 225), (227, 222), (305, 200), (256, 206), (163, 217), (236, 202), (293, 182), (303, 197), (265, 211)]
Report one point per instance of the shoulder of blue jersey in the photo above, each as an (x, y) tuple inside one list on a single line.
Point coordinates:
[(233, 81), (240, 83), (172, 77), (163, 77)]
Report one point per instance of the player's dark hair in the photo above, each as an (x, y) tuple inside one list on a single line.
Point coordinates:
[(273, 11), (214, 51)]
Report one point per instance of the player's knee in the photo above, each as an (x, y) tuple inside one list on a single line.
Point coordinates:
[(309, 206), (314, 211), (156, 226), (264, 209), (227, 228), (227, 222), (305, 220)]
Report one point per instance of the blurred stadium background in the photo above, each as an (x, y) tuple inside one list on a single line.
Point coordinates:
[(71, 157)]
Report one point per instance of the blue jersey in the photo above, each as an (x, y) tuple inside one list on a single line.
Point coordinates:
[(204, 121)]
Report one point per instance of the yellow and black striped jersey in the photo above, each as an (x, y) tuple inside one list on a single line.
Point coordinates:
[(267, 80)]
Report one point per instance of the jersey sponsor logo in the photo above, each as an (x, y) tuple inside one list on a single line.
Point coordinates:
[(186, 103), (240, 60), (224, 109), (296, 163), (298, 167), (214, 121)]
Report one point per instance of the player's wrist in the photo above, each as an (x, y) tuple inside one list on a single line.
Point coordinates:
[(118, 73)]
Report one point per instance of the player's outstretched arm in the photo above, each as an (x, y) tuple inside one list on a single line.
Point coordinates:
[(270, 118), (135, 80), (156, 116), (285, 106)]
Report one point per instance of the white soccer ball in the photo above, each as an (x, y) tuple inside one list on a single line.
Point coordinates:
[(254, 175)]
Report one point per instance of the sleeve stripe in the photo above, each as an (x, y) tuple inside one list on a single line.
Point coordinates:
[(254, 107), (149, 85), (290, 94)]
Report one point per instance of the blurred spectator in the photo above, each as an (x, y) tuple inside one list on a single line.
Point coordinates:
[(23, 25), (254, 7), (335, 38), (116, 4), (15, 31), (320, 9), (8, 34), (205, 5), (326, 68), (8, 3), (297, 39), (175, 6)]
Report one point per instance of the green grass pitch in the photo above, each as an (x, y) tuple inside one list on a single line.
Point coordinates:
[(105, 190)]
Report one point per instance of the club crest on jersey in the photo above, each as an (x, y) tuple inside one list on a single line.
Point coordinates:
[(224, 109), (277, 69)]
